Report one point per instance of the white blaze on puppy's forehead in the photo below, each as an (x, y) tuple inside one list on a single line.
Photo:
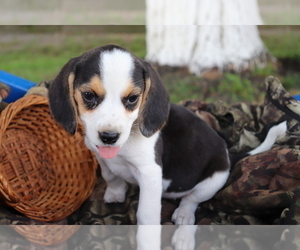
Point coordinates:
[(116, 77), (116, 68)]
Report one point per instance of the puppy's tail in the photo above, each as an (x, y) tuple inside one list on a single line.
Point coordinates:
[(267, 144)]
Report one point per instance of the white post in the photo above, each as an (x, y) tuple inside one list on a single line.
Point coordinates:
[(202, 34)]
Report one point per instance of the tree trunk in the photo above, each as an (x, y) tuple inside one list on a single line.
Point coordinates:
[(202, 34)]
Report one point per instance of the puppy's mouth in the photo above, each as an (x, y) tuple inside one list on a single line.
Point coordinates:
[(108, 152)]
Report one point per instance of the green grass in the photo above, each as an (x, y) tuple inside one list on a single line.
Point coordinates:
[(270, 69), (38, 61), (237, 87), (181, 88), (38, 53), (284, 45), (291, 81)]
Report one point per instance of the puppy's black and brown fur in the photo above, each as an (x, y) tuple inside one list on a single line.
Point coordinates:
[(137, 135)]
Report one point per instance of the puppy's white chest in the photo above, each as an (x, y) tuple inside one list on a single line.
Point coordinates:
[(135, 155), (122, 169)]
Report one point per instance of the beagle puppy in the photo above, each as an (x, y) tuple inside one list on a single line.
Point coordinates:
[(137, 135)]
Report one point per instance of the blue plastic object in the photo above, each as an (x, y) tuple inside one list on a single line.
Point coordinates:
[(297, 97), (18, 86)]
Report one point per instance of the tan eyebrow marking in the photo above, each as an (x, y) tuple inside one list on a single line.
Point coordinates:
[(131, 90), (95, 84)]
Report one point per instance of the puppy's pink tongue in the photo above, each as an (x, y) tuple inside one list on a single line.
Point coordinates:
[(108, 152)]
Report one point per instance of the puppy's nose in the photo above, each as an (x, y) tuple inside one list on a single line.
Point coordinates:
[(109, 137)]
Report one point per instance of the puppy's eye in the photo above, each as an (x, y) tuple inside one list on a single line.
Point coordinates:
[(88, 96), (132, 99)]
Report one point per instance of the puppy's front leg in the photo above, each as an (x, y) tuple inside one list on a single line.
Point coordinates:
[(150, 183), (148, 237), (116, 186)]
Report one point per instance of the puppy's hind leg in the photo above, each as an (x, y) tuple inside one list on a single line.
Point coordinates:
[(203, 191)]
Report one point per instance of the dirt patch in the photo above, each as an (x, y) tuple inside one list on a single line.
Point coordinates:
[(286, 65)]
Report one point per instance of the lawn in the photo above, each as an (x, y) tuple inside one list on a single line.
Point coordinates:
[(38, 56), (38, 53)]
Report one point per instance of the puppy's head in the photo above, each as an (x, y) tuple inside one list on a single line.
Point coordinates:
[(111, 92)]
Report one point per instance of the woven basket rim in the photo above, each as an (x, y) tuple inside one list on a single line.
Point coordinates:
[(8, 193), (15, 107), (5, 118)]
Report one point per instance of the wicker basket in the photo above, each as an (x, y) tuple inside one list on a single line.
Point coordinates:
[(45, 173), (46, 235)]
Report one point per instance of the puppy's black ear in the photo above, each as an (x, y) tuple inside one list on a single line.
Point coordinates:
[(155, 108), (61, 99)]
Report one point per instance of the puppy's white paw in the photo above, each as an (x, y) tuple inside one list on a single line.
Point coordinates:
[(184, 215), (280, 129), (184, 238), (115, 195)]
